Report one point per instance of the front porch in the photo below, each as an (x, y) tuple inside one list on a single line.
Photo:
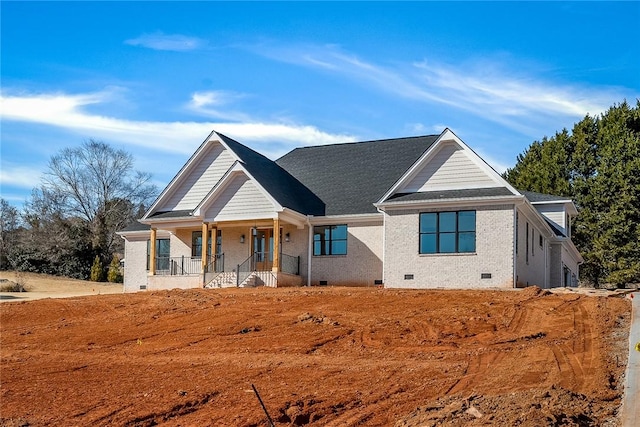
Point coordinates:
[(242, 254)]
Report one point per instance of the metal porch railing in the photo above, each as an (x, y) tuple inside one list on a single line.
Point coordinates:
[(187, 266)]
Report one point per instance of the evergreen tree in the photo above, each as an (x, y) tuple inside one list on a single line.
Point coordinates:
[(598, 165), (114, 275), (96, 270)]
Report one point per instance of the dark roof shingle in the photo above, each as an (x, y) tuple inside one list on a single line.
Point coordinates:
[(534, 197), (451, 194), (286, 189), (349, 178)]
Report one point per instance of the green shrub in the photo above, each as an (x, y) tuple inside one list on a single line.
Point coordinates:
[(114, 275), (96, 270)]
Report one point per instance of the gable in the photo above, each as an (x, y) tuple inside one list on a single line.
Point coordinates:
[(198, 179), (450, 167), (240, 198)]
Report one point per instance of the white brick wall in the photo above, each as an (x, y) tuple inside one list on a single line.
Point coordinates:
[(135, 261), (534, 270), (360, 267), (494, 252)]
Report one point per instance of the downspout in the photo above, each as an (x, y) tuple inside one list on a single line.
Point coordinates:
[(309, 250), (546, 265), (514, 240), (384, 243)]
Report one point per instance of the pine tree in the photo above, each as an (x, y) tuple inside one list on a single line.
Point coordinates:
[(114, 275), (598, 165)]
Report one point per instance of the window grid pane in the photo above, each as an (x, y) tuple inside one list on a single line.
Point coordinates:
[(447, 232), (330, 240)]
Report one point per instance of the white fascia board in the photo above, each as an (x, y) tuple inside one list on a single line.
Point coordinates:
[(292, 217), (568, 203), (445, 136), (344, 219), (174, 223), (133, 234), (152, 221), (458, 202), (144, 235), (245, 217), (212, 137)]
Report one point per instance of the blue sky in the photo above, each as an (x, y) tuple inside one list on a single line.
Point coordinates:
[(155, 78)]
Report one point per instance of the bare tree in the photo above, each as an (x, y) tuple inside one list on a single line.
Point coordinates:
[(97, 184)]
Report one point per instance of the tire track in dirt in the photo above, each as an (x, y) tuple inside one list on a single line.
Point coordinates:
[(478, 366), (179, 410), (574, 361), (361, 412)]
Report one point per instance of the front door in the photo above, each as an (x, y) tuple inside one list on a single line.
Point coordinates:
[(263, 249)]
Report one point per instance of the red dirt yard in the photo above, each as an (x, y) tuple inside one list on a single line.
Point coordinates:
[(318, 356)]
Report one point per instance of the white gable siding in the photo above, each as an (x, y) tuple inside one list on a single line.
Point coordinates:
[(200, 179), (449, 169), (554, 213), (241, 197)]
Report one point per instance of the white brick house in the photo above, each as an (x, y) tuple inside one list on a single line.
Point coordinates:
[(419, 212)]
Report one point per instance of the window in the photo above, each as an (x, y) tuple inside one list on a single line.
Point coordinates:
[(541, 240), (330, 240), (447, 232), (196, 243), (163, 251), (517, 239), (533, 241)]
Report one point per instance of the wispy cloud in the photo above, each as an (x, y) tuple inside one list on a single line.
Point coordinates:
[(68, 111), (484, 88), (209, 104), (18, 176), (172, 42)]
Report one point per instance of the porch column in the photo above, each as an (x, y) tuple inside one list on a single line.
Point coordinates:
[(205, 241), (214, 241), (276, 245), (152, 253)]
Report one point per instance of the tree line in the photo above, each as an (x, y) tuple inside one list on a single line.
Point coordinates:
[(597, 164), (68, 226)]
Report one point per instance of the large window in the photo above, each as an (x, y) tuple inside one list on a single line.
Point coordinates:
[(163, 251), (447, 232), (196, 243), (330, 240)]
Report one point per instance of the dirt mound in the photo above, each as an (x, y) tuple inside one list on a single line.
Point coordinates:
[(552, 407), (318, 356)]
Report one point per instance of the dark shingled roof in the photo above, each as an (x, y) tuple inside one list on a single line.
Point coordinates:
[(451, 194), (349, 178), (534, 197), (172, 214), (136, 226), (286, 189)]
